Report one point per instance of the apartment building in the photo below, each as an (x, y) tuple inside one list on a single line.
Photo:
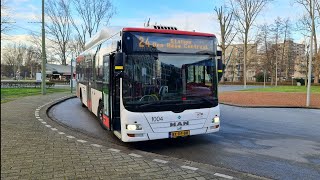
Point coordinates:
[(291, 57), (234, 59)]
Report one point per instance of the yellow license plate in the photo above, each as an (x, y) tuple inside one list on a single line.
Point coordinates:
[(176, 134)]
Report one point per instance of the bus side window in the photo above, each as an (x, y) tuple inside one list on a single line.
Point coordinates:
[(106, 69)]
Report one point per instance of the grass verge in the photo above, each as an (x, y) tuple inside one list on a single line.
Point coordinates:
[(10, 94), (302, 89)]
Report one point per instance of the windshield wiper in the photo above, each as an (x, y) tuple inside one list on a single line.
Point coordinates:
[(160, 103)]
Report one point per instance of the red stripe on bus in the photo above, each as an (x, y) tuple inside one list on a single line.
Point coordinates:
[(106, 121), (167, 31), (89, 104)]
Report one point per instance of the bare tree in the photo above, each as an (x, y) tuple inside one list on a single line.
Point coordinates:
[(226, 21), (286, 26), (32, 59), (59, 25), (5, 17), (76, 45), (267, 62), (276, 29), (93, 14), (310, 22), (317, 7), (13, 56), (246, 12), (35, 40)]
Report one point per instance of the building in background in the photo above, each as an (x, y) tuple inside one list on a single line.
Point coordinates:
[(290, 56), (234, 57), (59, 72)]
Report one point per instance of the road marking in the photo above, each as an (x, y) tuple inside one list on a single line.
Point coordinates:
[(114, 150), (54, 129), (82, 141), (48, 126), (38, 109), (96, 145), (135, 155), (71, 137), (43, 122), (61, 133), (37, 117), (160, 161), (40, 120), (223, 175), (189, 167)]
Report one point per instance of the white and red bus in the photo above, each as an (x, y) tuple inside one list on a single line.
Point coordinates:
[(151, 83)]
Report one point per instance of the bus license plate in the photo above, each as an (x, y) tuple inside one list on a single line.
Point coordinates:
[(176, 134)]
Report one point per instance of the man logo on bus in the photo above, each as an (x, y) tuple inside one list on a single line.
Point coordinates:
[(183, 123)]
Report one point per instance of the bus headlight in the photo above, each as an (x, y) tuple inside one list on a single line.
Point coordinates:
[(133, 127), (216, 120)]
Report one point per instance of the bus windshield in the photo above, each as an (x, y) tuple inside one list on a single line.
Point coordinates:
[(169, 82)]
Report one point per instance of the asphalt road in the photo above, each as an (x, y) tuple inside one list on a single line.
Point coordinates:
[(277, 143), (224, 88)]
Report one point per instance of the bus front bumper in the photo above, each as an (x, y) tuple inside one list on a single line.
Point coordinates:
[(165, 135)]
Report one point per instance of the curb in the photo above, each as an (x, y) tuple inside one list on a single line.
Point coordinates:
[(264, 106), (49, 116)]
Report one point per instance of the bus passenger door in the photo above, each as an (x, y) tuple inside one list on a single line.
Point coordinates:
[(115, 95), (106, 93)]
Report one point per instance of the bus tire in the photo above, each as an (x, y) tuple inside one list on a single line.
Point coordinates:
[(82, 104), (100, 115)]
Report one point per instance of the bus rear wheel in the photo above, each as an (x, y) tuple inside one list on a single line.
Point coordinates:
[(82, 104), (100, 115)]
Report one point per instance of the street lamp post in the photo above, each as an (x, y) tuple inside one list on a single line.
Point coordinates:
[(43, 84), (311, 54), (71, 76), (264, 78)]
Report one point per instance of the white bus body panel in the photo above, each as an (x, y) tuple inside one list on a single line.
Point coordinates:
[(83, 89), (95, 97)]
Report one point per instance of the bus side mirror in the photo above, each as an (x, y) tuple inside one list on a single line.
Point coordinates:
[(119, 61), (221, 68)]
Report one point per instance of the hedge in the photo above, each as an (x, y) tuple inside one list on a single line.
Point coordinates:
[(24, 84)]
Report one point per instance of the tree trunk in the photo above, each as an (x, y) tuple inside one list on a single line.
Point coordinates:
[(31, 71), (224, 61), (276, 84), (316, 61), (245, 58)]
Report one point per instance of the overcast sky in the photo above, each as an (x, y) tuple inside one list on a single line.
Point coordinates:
[(195, 15)]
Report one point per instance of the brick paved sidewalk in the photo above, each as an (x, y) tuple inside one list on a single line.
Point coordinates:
[(31, 148)]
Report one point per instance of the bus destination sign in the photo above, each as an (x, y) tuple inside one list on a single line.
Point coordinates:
[(150, 42)]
